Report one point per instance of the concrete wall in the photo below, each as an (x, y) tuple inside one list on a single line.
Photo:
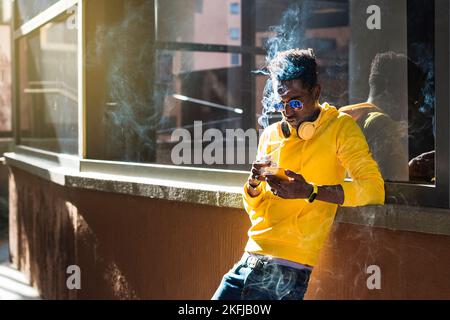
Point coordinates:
[(139, 248)]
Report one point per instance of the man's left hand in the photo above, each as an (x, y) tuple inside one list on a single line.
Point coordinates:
[(295, 188)]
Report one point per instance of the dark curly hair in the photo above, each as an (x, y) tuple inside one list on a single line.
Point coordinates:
[(295, 64)]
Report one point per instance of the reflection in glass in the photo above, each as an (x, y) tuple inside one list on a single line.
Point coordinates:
[(393, 89), (197, 86), (182, 79), (142, 94), (47, 87)]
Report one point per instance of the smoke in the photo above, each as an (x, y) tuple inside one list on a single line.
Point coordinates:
[(289, 34), (133, 112), (268, 102)]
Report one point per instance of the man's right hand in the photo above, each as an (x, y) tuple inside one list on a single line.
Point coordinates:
[(255, 177)]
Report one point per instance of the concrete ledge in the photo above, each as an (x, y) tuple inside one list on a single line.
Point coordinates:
[(182, 189), (185, 188), (398, 217)]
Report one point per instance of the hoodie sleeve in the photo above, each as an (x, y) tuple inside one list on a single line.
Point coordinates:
[(251, 203), (367, 187)]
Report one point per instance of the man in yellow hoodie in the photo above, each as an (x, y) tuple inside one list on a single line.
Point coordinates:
[(291, 214)]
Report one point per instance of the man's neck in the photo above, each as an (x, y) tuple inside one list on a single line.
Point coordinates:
[(314, 115)]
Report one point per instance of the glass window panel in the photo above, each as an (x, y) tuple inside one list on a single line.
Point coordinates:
[(120, 79), (194, 87), (47, 87), (199, 21), (187, 86), (25, 10), (235, 7), (147, 95)]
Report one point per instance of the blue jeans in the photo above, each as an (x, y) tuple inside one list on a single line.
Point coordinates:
[(268, 282)]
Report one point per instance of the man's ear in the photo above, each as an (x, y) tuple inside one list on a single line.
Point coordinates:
[(317, 90)]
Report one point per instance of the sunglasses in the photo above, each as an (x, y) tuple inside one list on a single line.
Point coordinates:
[(294, 104)]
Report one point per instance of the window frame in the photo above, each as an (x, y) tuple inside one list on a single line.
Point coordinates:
[(437, 195), (20, 31)]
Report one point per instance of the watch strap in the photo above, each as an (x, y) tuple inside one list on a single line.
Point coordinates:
[(314, 193)]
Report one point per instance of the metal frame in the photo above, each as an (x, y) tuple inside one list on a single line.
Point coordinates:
[(15, 112), (188, 46), (248, 27), (442, 114), (82, 141), (434, 195)]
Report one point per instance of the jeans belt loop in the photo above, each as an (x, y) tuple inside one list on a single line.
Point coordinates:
[(254, 262)]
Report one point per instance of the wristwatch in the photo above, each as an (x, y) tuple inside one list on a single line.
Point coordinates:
[(313, 194)]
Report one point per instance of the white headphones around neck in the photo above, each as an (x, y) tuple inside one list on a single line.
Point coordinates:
[(305, 130)]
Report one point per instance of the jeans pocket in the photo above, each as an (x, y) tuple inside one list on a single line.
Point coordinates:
[(295, 294), (300, 286), (255, 287)]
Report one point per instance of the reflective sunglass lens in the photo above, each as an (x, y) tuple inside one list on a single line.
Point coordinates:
[(296, 104)]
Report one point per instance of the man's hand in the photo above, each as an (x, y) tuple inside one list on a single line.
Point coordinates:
[(255, 177), (422, 167), (295, 188)]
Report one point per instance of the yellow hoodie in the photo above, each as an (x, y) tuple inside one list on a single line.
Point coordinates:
[(295, 229)]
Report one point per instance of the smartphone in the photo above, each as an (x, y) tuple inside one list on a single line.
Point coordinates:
[(278, 172)]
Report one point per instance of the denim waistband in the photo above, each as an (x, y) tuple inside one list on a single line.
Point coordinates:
[(256, 259)]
